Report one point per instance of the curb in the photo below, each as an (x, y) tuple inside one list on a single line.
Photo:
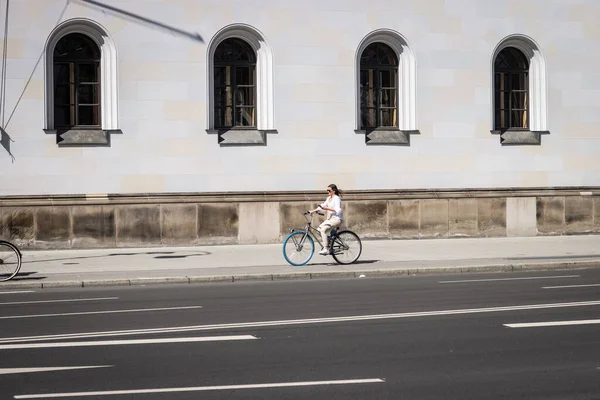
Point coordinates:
[(488, 268)]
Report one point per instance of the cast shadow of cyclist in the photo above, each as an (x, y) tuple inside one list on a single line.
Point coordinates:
[(354, 263)]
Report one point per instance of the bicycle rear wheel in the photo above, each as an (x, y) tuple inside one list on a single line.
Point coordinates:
[(297, 251), (10, 261), (346, 247)]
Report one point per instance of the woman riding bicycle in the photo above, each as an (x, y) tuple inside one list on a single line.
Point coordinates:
[(333, 206), (345, 246)]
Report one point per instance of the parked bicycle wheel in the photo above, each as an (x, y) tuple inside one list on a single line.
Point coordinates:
[(346, 247), (298, 248), (10, 261)]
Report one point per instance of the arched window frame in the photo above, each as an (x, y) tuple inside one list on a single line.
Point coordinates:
[(537, 91), (109, 122), (265, 113), (407, 90)]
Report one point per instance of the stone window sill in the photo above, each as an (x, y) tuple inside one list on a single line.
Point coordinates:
[(520, 137), (383, 136), (241, 136), (83, 137)]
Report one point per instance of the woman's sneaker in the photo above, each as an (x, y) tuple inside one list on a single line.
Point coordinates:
[(324, 252)]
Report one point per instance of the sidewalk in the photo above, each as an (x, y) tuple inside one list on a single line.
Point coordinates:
[(125, 266)]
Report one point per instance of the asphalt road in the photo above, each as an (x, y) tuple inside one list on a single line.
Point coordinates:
[(412, 337)]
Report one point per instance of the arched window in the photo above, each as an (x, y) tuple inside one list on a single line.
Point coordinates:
[(76, 60), (234, 84), (511, 90), (519, 95), (240, 106), (81, 99), (386, 94), (378, 87)]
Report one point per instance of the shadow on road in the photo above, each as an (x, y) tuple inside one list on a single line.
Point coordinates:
[(157, 254), (355, 263), (26, 276)]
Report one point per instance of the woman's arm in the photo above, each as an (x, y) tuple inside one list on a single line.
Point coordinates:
[(321, 207), (337, 206), (325, 208)]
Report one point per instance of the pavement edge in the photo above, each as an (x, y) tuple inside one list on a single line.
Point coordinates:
[(372, 273)]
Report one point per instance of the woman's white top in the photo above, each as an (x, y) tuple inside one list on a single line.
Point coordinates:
[(336, 203)]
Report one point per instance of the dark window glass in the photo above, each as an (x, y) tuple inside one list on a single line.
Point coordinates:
[(88, 73), (378, 87), (511, 90), (62, 115), (87, 115), (234, 84), (76, 82), (88, 95)]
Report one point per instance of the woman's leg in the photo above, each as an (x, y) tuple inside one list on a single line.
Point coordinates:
[(335, 222), (325, 228)]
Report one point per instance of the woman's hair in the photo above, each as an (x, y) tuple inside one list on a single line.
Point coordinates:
[(335, 189)]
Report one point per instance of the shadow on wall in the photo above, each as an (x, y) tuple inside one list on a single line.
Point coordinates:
[(119, 12), (5, 141)]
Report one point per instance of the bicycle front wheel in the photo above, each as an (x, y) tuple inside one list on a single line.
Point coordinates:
[(298, 248), (346, 247), (10, 261)]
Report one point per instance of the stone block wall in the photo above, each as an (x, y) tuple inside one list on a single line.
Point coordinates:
[(246, 218), (568, 215), (143, 225)]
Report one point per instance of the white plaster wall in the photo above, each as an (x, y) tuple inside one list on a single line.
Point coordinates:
[(162, 99)]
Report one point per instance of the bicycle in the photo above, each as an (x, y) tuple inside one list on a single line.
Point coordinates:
[(299, 246), (10, 260)]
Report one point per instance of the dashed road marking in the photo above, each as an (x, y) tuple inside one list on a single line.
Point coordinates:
[(6, 371), (18, 291), (554, 323), (99, 312), (58, 301), (21, 346), (570, 286), (512, 279)]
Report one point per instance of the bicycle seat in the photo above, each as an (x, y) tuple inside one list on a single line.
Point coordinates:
[(333, 232)]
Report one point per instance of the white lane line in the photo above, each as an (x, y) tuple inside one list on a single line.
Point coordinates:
[(512, 279), (570, 286), (99, 312), (6, 371), (18, 291), (259, 324), (201, 388), (554, 323), (58, 301), (126, 342)]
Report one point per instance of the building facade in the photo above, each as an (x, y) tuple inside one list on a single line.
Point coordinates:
[(151, 122)]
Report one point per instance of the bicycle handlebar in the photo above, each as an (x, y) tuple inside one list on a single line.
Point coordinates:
[(306, 213)]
